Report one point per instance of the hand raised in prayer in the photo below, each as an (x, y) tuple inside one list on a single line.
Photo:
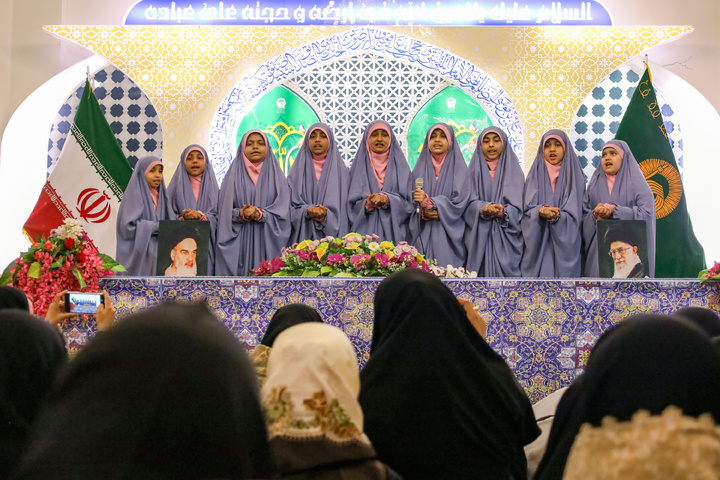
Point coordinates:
[(419, 195), (602, 211), (474, 316), (492, 210), (189, 214)]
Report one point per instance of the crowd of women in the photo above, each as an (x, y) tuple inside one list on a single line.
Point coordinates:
[(170, 393), (486, 216)]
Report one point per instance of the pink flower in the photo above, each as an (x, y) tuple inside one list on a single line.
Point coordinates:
[(303, 254), (359, 260), (81, 256), (276, 264), (714, 270), (382, 259), (48, 245), (336, 258)]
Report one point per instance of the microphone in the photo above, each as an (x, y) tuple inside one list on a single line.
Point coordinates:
[(419, 183)]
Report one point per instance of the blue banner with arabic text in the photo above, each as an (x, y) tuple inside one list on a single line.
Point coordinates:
[(399, 12)]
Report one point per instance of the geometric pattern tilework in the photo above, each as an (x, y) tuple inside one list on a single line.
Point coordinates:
[(599, 116), (544, 329), (128, 111), (187, 71), (349, 93)]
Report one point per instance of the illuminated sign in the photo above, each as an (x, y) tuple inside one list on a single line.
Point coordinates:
[(400, 12)]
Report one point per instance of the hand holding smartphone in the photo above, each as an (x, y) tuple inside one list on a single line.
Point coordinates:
[(83, 303)]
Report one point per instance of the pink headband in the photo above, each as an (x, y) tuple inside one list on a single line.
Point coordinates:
[(556, 137), (379, 126), (245, 137), (192, 149), (440, 126), (152, 165), (321, 129), (495, 130), (617, 148)]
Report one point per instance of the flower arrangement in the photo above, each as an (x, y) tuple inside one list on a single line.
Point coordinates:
[(452, 272), (64, 261), (710, 274), (353, 255)]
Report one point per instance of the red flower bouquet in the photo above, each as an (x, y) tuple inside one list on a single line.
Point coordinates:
[(64, 261)]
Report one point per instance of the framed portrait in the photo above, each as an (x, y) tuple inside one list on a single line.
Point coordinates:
[(622, 248), (183, 248)]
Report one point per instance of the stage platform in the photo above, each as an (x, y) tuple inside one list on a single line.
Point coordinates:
[(543, 328)]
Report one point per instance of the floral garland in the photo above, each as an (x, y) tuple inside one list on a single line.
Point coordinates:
[(64, 261), (353, 255)]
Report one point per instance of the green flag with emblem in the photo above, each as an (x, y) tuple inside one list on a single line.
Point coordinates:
[(678, 252)]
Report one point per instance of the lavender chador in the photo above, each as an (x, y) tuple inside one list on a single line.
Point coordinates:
[(441, 239), (242, 245), (182, 195), (390, 222), (138, 220), (553, 248), (329, 190), (494, 244)]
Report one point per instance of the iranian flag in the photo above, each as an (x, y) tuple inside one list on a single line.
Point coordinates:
[(88, 181)]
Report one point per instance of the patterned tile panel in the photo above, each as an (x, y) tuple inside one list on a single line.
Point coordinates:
[(128, 111), (599, 116), (547, 72), (544, 329)]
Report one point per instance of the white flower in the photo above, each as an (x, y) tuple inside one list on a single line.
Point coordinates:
[(374, 247)]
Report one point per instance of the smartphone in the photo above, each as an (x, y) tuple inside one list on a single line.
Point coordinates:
[(83, 302)]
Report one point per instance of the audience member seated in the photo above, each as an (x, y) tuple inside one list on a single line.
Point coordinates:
[(646, 362), (706, 319), (144, 204), (168, 393), (312, 412), (438, 401), (318, 182), (380, 198), (31, 351), (544, 416), (283, 318), (11, 297), (666, 446)]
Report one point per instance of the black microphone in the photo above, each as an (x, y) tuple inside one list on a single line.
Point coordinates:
[(419, 183)]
